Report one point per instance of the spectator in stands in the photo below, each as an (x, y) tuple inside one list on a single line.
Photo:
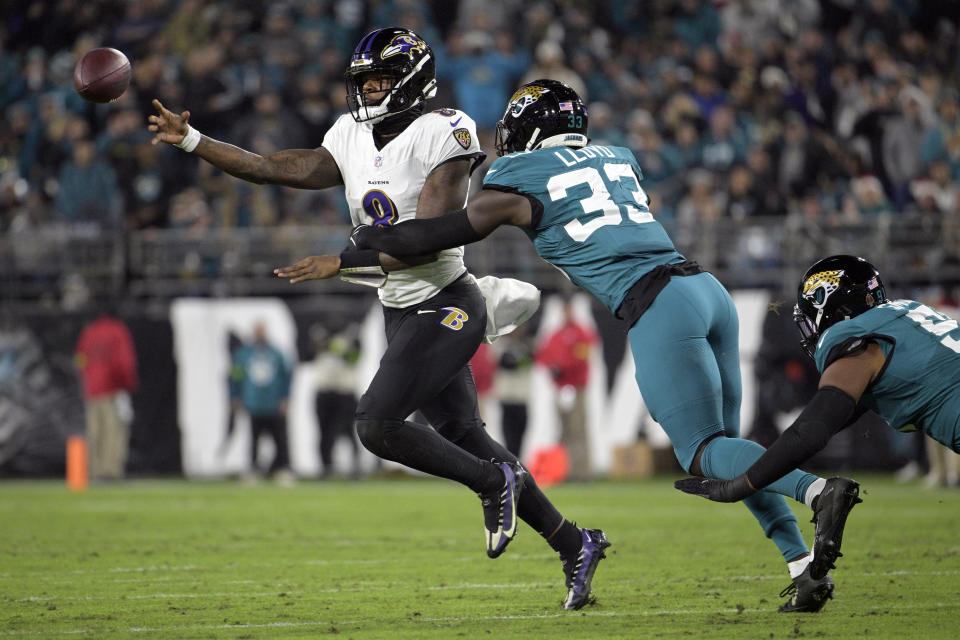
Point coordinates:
[(902, 153), (934, 194), (725, 144), (482, 70), (942, 139), (868, 201), (842, 71), (88, 189), (660, 160), (743, 198), (696, 23), (604, 126), (549, 62), (107, 361)]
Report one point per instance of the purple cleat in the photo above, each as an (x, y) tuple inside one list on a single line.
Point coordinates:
[(500, 509), (579, 573)]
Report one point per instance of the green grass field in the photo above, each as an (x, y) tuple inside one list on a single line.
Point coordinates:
[(404, 559)]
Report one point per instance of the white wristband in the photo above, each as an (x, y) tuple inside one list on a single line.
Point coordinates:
[(190, 140)]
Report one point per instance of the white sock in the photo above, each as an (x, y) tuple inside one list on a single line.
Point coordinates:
[(813, 491), (797, 566)]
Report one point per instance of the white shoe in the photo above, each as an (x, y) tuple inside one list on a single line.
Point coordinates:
[(285, 478), (908, 472)]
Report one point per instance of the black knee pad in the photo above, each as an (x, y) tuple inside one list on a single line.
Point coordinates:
[(372, 433)]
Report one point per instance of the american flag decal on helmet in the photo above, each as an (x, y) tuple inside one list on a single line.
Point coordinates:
[(566, 106), (872, 284)]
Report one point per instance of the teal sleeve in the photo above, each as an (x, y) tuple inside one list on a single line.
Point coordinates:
[(835, 335), (848, 336), (505, 172)]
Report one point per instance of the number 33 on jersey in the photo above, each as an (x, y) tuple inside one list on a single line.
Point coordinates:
[(590, 215)]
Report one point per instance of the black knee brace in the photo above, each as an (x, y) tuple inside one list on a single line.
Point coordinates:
[(373, 433)]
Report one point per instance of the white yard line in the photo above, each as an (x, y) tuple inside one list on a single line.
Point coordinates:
[(163, 568), (388, 585), (445, 620)]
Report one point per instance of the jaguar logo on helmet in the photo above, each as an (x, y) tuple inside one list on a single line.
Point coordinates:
[(819, 286), (525, 97), (403, 44)]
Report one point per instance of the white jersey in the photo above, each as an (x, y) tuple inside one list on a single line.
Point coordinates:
[(383, 187)]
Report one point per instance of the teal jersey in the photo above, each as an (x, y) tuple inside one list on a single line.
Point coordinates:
[(919, 386), (594, 224)]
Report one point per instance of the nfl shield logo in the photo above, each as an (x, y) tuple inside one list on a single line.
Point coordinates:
[(378, 161)]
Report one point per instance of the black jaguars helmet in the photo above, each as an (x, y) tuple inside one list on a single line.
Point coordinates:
[(404, 65), (834, 289), (542, 113)]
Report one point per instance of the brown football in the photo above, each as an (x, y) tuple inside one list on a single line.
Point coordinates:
[(102, 75)]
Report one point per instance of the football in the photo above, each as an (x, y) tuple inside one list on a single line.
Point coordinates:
[(102, 75)]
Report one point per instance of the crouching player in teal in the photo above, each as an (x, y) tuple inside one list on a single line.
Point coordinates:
[(585, 211), (900, 359)]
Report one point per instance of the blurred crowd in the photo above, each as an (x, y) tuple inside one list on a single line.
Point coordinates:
[(827, 111)]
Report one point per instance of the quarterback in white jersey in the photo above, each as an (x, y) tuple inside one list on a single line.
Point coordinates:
[(383, 186), (398, 163)]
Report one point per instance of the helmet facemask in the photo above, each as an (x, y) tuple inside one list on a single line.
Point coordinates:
[(808, 330), (369, 95)]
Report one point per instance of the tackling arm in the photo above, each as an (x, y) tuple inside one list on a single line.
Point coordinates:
[(831, 409), (486, 212)]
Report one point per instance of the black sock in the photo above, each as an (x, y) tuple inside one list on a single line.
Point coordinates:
[(567, 540), (534, 507)]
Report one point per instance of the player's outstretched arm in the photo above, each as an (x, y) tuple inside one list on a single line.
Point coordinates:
[(831, 409), (324, 267), (303, 168), (486, 212)]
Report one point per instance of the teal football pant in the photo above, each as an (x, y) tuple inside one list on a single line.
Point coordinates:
[(687, 356)]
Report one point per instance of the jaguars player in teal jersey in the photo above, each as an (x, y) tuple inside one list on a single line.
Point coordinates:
[(898, 358), (584, 209)]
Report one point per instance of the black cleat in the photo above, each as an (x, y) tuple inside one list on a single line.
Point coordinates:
[(806, 594), (579, 572), (830, 515), (500, 509)]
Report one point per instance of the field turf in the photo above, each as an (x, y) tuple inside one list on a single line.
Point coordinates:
[(404, 559)]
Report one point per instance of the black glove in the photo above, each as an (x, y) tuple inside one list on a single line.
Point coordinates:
[(358, 236), (717, 490)]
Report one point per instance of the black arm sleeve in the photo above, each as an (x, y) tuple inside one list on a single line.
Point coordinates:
[(828, 412), (362, 259), (416, 237)]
